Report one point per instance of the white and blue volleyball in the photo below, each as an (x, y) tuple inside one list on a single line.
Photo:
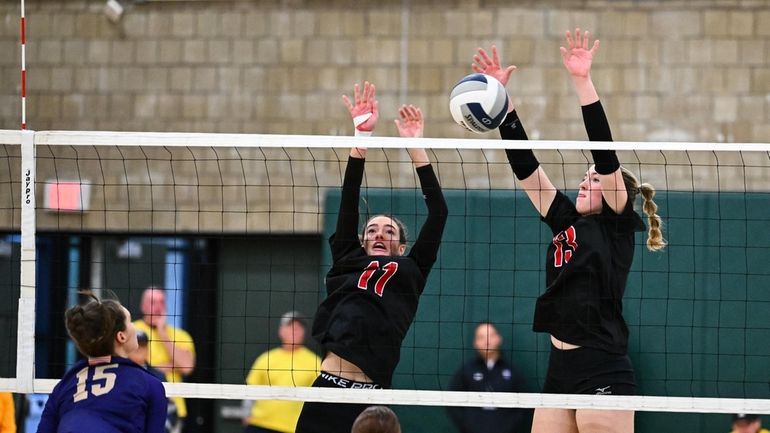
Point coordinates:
[(479, 103)]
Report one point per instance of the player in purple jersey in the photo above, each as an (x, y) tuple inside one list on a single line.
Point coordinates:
[(106, 392)]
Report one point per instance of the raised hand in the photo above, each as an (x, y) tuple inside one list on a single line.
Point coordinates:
[(578, 57), (484, 64), (364, 109), (411, 123)]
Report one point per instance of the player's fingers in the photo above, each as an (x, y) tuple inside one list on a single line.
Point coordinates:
[(570, 43), (595, 48), (509, 70), (413, 113), (367, 96), (485, 56), (404, 113), (495, 56), (357, 94), (346, 100)]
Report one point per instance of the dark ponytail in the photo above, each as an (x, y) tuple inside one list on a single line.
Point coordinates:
[(93, 324)]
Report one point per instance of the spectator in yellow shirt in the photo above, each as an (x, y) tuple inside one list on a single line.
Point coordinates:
[(171, 350), (291, 364), (7, 413)]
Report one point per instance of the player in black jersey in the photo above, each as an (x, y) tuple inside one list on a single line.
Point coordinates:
[(372, 288), (588, 260)]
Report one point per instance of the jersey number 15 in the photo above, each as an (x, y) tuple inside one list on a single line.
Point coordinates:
[(97, 389), (390, 269)]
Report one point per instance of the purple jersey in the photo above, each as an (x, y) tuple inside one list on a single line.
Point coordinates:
[(116, 396)]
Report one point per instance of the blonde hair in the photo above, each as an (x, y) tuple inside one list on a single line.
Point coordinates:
[(655, 240)]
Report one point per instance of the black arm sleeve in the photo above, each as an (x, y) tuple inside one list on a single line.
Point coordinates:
[(595, 120), (425, 248), (346, 235), (511, 128), (598, 129), (523, 161)]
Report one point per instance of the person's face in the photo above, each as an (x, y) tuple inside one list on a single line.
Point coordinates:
[(746, 426), (487, 340), (381, 237), (292, 333), (589, 198), (153, 306), (127, 337)]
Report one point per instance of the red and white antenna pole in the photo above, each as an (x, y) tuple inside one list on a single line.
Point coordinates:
[(23, 70)]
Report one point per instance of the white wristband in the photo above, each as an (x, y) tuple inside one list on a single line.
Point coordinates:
[(358, 121), (361, 118)]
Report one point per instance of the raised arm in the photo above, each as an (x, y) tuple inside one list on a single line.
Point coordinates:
[(412, 124), (364, 112), (525, 165), (425, 249), (578, 58)]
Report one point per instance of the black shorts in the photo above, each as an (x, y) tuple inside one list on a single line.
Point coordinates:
[(331, 417), (589, 371)]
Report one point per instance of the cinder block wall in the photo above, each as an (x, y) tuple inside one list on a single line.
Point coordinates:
[(667, 71)]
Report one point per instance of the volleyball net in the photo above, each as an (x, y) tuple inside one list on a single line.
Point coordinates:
[(235, 228)]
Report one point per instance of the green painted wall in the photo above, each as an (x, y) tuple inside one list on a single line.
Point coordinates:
[(260, 279), (699, 313)]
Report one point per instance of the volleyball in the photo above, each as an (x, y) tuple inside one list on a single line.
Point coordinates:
[(478, 103)]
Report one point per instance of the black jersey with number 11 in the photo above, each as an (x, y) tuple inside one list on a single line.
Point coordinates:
[(372, 300)]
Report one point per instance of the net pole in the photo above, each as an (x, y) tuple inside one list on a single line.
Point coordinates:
[(25, 345), (23, 69)]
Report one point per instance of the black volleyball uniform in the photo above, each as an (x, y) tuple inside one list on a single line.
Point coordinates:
[(587, 266), (371, 300)]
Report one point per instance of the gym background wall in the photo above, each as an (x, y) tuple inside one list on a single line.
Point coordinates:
[(667, 71)]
